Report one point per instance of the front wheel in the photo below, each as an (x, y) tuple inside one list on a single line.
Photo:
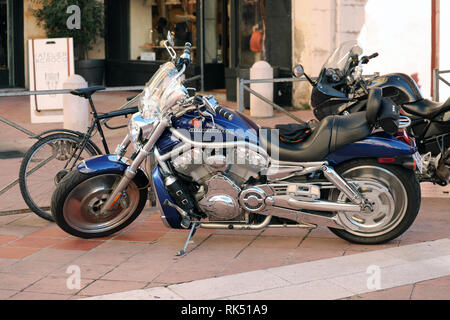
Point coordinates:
[(78, 198), (393, 193)]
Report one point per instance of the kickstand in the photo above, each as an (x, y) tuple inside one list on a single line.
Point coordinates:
[(191, 234)]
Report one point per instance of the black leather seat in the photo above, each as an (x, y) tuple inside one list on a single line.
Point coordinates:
[(332, 133), (87, 92), (426, 108)]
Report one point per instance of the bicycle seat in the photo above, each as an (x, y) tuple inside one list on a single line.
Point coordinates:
[(86, 92)]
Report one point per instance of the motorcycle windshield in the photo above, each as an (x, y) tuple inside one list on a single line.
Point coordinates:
[(152, 96), (340, 58), (160, 80)]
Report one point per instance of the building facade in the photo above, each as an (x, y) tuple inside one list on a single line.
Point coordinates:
[(228, 36)]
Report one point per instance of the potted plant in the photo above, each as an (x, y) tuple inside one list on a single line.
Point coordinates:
[(53, 17)]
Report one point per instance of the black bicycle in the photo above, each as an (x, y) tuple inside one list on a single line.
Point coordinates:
[(58, 151)]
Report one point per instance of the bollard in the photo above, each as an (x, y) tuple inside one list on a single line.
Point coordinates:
[(76, 109), (259, 108)]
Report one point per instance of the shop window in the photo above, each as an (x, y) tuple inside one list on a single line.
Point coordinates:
[(250, 31), (150, 20)]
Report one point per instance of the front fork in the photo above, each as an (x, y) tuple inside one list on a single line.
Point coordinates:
[(131, 171)]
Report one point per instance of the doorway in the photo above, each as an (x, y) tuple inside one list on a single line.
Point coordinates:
[(11, 44)]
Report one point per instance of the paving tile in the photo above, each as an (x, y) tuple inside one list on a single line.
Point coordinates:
[(18, 231), (34, 242), (110, 253), (228, 285), (32, 220), (139, 271), (77, 244), (315, 290), (147, 294), (425, 291), (50, 232), (252, 259), (302, 254), (36, 267), (151, 226), (16, 253), (6, 239), (55, 255), (39, 296), (299, 233), (101, 287), (140, 236), (56, 285), (325, 243), (11, 281), (438, 282), (87, 271), (394, 276), (4, 262), (396, 293), (5, 294), (10, 218), (266, 241), (329, 268)]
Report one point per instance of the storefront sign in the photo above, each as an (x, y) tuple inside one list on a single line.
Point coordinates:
[(50, 64)]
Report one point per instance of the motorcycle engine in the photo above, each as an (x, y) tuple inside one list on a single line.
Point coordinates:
[(220, 177)]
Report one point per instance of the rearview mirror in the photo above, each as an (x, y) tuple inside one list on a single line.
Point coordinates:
[(170, 38), (298, 71)]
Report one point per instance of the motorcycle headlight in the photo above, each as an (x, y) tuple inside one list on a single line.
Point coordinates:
[(140, 129)]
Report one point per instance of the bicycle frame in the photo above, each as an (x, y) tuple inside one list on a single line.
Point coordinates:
[(95, 123)]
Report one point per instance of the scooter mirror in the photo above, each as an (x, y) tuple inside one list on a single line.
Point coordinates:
[(298, 71)]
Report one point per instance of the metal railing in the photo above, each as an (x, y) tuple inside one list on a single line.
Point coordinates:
[(436, 78), (243, 86)]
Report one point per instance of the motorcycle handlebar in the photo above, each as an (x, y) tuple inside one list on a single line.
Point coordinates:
[(366, 59), (224, 113)]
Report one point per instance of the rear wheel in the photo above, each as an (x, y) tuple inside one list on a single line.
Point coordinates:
[(78, 198), (393, 193)]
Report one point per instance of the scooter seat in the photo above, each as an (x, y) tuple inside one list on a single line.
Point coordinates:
[(332, 133), (426, 108)]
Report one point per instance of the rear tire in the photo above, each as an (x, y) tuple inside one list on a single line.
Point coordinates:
[(78, 197), (404, 188)]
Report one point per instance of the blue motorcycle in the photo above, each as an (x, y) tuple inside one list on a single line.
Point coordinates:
[(215, 168)]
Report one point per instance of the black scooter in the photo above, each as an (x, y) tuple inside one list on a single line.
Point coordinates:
[(341, 89)]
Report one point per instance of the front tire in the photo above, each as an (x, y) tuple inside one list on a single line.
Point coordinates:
[(396, 197), (78, 198)]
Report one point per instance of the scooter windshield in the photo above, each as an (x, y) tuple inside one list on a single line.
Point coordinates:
[(340, 58)]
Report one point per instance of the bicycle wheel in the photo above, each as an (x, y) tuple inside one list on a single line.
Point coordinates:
[(43, 167)]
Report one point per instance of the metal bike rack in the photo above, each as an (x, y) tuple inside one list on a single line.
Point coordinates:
[(243, 85), (436, 78)]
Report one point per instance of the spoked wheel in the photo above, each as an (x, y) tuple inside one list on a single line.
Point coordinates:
[(78, 198), (43, 166), (393, 200)]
